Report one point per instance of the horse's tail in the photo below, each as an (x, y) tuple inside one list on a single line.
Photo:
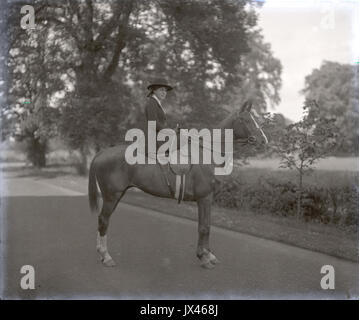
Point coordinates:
[(92, 188)]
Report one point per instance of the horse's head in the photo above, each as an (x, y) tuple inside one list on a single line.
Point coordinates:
[(244, 123)]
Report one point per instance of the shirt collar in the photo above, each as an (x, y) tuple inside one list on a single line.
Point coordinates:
[(158, 100)]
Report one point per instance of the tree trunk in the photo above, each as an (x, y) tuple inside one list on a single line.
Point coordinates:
[(82, 167), (36, 152), (41, 159), (300, 191), (333, 197)]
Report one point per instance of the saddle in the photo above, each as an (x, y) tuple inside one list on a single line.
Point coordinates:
[(179, 160), (180, 165)]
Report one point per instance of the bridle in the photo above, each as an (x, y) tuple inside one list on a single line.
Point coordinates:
[(250, 139)]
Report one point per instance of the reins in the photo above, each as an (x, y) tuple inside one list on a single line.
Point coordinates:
[(249, 140)]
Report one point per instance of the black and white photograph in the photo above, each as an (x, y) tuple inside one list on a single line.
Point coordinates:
[(193, 150)]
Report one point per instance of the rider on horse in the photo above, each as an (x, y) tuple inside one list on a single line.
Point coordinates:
[(154, 110)]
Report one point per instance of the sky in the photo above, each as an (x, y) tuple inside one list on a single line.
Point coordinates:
[(302, 34)]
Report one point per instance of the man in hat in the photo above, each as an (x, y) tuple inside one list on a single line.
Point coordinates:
[(154, 110)]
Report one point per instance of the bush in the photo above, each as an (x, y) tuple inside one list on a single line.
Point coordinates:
[(315, 204), (268, 194)]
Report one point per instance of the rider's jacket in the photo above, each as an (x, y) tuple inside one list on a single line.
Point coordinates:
[(155, 112)]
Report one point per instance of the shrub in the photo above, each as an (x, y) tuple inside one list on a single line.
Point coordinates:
[(268, 194), (315, 204)]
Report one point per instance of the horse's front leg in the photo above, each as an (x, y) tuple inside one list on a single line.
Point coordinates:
[(208, 259)]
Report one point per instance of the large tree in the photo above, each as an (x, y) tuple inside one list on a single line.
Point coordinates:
[(335, 87), (259, 76), (31, 79), (3, 64), (107, 52)]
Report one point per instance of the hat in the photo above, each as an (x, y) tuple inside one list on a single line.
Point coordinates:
[(159, 83)]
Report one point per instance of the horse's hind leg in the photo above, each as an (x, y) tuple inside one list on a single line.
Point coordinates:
[(103, 221)]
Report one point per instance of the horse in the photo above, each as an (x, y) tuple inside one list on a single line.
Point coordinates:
[(110, 172)]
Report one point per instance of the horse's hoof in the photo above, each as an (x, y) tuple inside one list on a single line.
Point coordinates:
[(207, 265), (212, 258), (215, 261), (109, 263)]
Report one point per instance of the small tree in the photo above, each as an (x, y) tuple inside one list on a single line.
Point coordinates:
[(300, 145)]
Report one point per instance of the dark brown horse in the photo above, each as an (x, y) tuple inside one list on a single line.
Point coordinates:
[(114, 176)]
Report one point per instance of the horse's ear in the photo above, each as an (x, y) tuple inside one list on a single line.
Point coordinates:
[(247, 106), (243, 108)]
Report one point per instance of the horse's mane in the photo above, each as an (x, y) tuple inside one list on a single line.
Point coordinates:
[(227, 120)]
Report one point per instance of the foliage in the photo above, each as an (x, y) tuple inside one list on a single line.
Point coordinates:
[(301, 144), (258, 74), (335, 87), (275, 194), (96, 58), (25, 112)]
